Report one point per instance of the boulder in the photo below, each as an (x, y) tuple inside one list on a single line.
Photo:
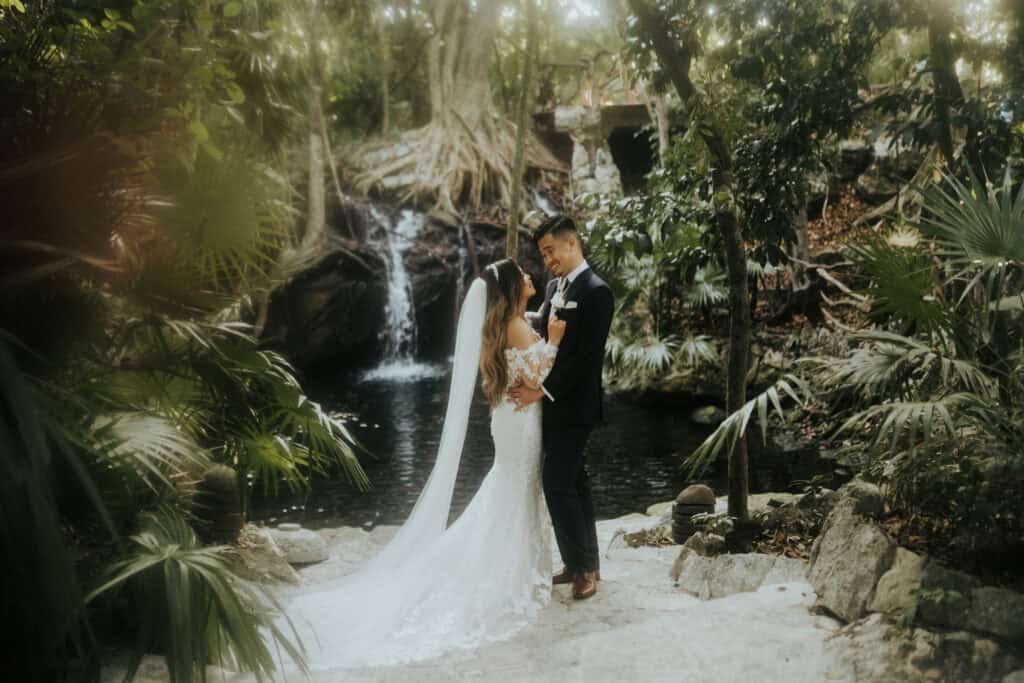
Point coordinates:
[(878, 650), (895, 593), (300, 546), (854, 158), (258, 557), (333, 311), (851, 554), (876, 187), (786, 570), (997, 611), (710, 578), (708, 415), (659, 509), (945, 596), (594, 170)]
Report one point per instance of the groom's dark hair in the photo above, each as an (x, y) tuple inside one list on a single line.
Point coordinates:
[(557, 226)]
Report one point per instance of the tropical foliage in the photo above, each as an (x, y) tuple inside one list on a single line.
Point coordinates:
[(141, 220)]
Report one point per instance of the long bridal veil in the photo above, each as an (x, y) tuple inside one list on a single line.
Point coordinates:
[(429, 516), (353, 620)]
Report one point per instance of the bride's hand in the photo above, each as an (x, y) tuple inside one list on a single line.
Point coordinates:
[(556, 330)]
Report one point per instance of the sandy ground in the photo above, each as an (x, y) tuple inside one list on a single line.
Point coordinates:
[(639, 627)]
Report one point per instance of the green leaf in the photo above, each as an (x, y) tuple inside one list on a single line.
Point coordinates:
[(199, 130), (232, 9), (235, 93)]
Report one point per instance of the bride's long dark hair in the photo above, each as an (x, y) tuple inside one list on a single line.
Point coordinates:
[(504, 292)]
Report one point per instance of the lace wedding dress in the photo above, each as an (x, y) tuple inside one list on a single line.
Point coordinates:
[(434, 589)]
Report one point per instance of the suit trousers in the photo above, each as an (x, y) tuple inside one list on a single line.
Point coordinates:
[(568, 493)]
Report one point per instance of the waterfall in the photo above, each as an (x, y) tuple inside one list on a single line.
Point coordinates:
[(543, 203), (399, 362), (401, 314)]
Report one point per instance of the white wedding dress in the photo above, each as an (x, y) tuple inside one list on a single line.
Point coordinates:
[(434, 589)]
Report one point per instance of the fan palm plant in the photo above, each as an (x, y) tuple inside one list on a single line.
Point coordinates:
[(723, 440), (192, 608), (134, 222), (979, 229)]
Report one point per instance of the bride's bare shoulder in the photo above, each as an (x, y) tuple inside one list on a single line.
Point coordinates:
[(520, 334)]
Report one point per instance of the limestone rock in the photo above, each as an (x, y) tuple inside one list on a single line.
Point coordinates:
[(851, 553), (997, 611), (854, 158), (572, 118), (659, 509), (881, 652), (862, 498), (258, 557), (717, 577), (875, 188), (300, 546), (786, 570), (708, 415), (945, 596), (894, 593), (594, 170)]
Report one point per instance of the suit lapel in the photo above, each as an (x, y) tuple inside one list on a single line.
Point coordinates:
[(577, 284)]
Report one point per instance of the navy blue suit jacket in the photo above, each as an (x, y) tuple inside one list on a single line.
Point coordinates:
[(575, 380)]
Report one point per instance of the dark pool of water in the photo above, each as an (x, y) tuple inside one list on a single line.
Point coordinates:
[(634, 459)]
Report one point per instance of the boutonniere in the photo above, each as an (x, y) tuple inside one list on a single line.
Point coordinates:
[(558, 302)]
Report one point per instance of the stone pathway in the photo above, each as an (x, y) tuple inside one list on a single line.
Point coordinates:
[(639, 627)]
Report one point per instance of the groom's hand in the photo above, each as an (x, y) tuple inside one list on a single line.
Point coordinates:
[(523, 396)]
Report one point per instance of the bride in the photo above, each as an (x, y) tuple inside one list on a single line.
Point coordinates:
[(432, 588)]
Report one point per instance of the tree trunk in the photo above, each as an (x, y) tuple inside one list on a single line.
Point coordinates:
[(316, 209), (946, 84), (525, 85), (466, 153), (675, 57), (799, 249), (384, 54)]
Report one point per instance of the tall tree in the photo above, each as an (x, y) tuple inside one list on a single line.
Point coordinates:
[(465, 153), (522, 111), (675, 53), (316, 195)]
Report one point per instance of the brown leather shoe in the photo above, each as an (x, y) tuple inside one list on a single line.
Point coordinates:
[(584, 585), (566, 576)]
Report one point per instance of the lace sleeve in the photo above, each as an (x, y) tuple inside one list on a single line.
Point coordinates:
[(532, 365)]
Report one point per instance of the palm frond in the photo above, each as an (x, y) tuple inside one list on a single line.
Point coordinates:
[(150, 445), (909, 423), (724, 439), (652, 354), (904, 285), (980, 228), (707, 288), (889, 364), (194, 609), (222, 219), (42, 593), (696, 349)]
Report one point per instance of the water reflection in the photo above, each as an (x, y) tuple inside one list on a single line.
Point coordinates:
[(634, 459)]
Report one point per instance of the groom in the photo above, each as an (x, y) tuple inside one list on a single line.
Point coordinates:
[(572, 396)]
